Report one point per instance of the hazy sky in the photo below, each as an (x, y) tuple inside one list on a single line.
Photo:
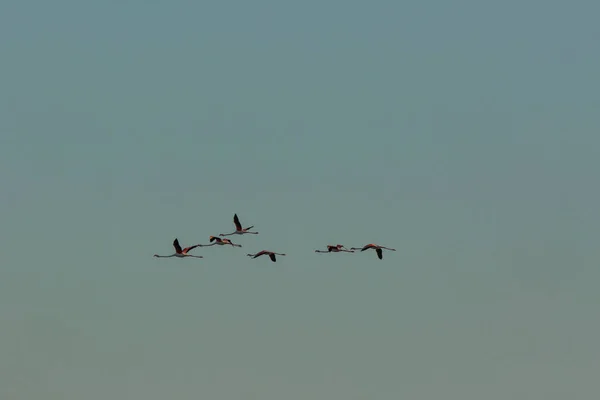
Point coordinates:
[(465, 134)]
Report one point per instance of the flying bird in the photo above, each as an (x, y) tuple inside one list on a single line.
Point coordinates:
[(270, 253), (238, 228), (373, 246), (179, 252), (220, 242), (335, 249)]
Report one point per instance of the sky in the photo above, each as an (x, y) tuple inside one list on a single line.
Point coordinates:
[(463, 134)]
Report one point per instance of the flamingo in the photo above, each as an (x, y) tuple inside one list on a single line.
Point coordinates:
[(270, 253), (335, 249), (238, 228), (373, 246), (220, 242), (179, 252)]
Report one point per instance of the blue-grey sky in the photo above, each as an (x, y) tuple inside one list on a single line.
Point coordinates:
[(464, 134)]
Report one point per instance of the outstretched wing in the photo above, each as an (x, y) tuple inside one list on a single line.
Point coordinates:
[(379, 253), (189, 248), (272, 256), (260, 253), (177, 246), (213, 238), (236, 221)]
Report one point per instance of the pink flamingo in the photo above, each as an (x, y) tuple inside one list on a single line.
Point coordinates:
[(238, 228), (335, 249), (373, 246), (220, 242), (269, 253), (179, 252)]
